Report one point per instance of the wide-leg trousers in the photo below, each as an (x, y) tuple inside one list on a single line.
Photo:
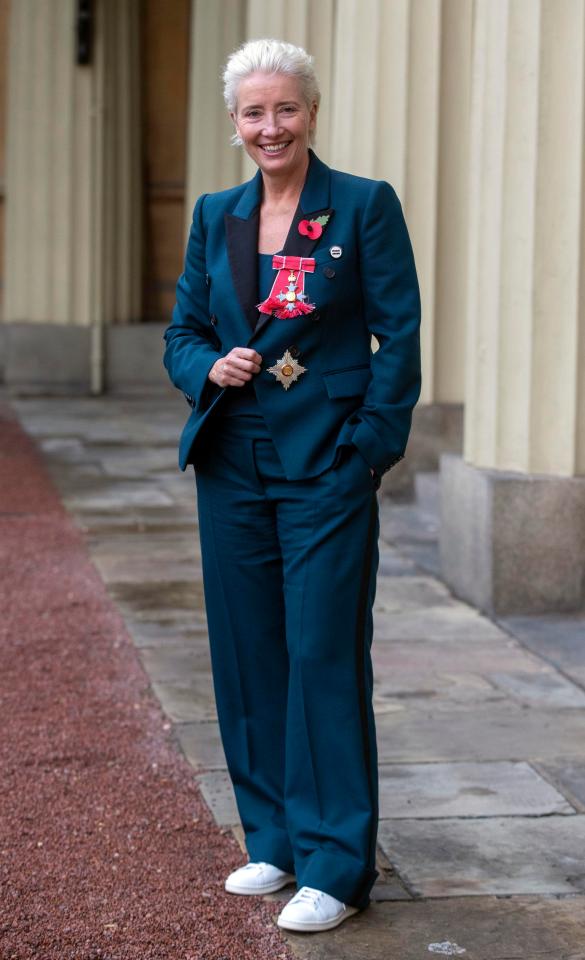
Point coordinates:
[(289, 574)]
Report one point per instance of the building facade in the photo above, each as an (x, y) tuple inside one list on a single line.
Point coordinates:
[(112, 123)]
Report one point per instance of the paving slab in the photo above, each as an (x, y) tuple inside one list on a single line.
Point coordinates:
[(186, 700), (408, 593), (498, 855), (452, 658), (454, 622), (63, 450), (394, 564), (201, 744), (148, 562), (569, 776), (218, 791), (176, 599), (151, 633), (557, 638), (484, 928), (547, 689), (176, 661), (129, 462), (425, 556), (406, 522), (511, 732), (115, 496), (393, 690), (430, 790)]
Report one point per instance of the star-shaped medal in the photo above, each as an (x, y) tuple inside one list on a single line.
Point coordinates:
[(287, 370)]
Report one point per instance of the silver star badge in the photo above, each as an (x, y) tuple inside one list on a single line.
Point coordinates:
[(287, 370)]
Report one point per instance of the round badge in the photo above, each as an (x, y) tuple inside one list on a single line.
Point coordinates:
[(335, 252)]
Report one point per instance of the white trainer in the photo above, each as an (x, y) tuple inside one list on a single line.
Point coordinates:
[(312, 910), (257, 878)]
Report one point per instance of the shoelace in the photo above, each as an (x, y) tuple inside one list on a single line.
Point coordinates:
[(309, 894)]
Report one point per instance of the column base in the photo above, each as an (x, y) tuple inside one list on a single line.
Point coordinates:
[(510, 542), (55, 359)]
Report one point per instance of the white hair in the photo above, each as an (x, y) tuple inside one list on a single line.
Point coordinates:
[(270, 56)]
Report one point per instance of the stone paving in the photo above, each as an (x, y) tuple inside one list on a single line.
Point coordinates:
[(481, 727)]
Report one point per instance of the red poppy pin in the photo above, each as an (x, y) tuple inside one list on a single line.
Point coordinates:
[(313, 228)]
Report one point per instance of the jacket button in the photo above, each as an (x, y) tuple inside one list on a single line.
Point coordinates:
[(294, 350), (329, 272)]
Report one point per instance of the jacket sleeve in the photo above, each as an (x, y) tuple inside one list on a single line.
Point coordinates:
[(392, 308), (190, 351)]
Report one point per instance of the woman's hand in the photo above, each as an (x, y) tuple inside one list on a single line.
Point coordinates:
[(236, 368)]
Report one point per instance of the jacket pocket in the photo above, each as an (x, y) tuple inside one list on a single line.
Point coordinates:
[(347, 381)]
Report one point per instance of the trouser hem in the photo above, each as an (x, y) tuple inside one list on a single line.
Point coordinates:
[(340, 877)]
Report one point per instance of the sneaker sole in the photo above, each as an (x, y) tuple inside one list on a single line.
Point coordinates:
[(258, 891), (308, 926)]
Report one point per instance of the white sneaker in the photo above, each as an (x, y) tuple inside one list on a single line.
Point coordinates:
[(311, 910), (257, 878)]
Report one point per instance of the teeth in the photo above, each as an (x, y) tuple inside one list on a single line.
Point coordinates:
[(274, 148)]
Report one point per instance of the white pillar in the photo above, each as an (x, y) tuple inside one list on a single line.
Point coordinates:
[(212, 162), (524, 398), (513, 509), (73, 167), (400, 113)]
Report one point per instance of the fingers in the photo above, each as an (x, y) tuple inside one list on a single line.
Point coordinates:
[(236, 368), (244, 359)]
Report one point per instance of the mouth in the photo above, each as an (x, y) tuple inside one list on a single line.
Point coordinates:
[(274, 149)]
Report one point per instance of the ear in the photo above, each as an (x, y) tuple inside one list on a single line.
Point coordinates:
[(313, 115)]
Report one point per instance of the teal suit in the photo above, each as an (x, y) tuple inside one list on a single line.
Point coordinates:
[(288, 509), (349, 394)]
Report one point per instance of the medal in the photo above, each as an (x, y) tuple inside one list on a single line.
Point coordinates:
[(287, 370), (287, 297)]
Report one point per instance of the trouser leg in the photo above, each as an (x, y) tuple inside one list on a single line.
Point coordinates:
[(243, 588), (328, 532)]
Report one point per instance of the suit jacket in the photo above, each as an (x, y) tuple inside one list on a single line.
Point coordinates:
[(348, 394)]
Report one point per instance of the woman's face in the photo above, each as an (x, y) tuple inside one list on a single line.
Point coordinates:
[(274, 122)]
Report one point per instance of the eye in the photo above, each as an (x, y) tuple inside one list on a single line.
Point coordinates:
[(289, 109), (252, 113)]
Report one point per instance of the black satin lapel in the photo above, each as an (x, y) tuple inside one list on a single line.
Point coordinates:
[(298, 245), (242, 246)]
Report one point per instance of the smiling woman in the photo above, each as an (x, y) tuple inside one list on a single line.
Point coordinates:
[(287, 278)]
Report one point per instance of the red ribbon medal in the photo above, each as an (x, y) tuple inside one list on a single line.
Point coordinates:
[(287, 297)]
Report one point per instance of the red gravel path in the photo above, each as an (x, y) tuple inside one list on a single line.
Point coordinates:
[(106, 848)]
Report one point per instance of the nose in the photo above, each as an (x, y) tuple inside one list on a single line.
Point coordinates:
[(271, 126)]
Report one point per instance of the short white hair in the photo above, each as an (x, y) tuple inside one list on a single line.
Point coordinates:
[(270, 56)]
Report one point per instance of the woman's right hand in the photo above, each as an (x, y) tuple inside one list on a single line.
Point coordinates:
[(236, 368)]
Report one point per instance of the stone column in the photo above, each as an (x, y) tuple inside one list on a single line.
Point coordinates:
[(513, 508), (400, 112), (212, 162), (73, 191)]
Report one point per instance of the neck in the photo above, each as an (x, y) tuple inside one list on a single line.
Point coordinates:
[(285, 190)]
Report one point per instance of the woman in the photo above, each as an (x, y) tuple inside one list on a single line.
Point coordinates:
[(294, 421)]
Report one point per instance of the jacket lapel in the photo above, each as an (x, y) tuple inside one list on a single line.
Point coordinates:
[(241, 230), (242, 247)]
